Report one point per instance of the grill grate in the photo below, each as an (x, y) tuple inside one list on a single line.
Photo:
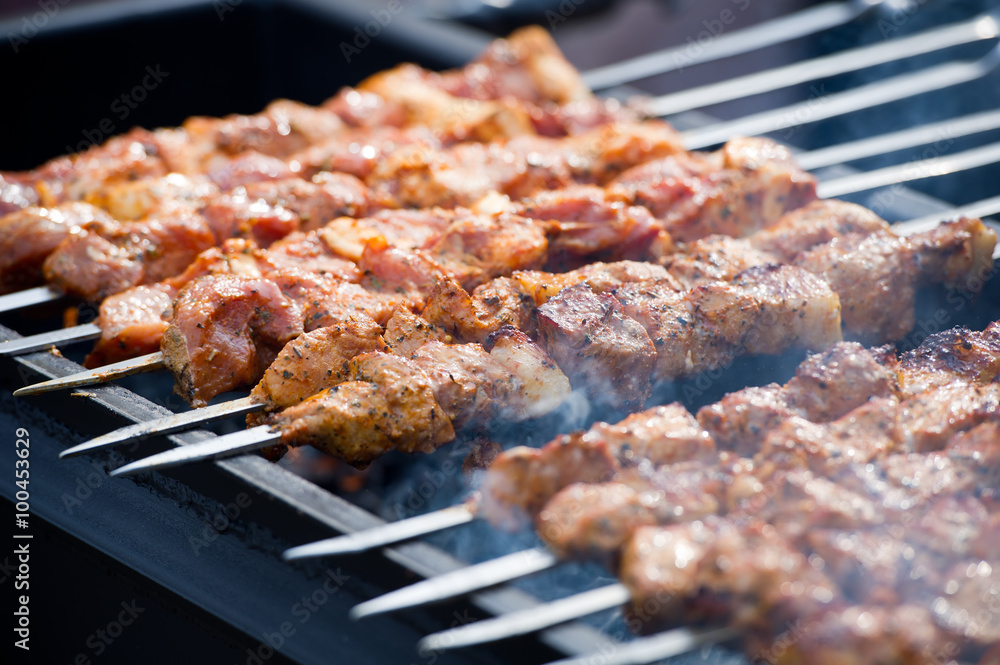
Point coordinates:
[(292, 509)]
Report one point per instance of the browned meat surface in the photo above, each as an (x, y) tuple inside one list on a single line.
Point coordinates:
[(387, 405), (747, 186), (603, 351), (600, 277), (476, 248), (877, 275), (246, 168), (958, 354), (313, 362), (522, 480), (663, 435), (98, 262), (815, 224), (224, 333), (134, 200), (28, 236), (581, 222), (542, 386), (714, 258), (358, 153), (829, 384), (588, 520), (416, 404), (16, 192)]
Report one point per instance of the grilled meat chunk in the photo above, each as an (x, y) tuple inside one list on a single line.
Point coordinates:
[(604, 352), (958, 354)]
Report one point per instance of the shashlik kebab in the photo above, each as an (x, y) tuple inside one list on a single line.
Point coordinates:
[(866, 467), (954, 253), (786, 294)]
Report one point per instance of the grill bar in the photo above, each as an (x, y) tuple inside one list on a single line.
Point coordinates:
[(91, 377), (34, 296), (778, 31), (63, 336), (831, 65), (830, 106), (652, 649)]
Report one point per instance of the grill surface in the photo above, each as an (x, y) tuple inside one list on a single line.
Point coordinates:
[(200, 546)]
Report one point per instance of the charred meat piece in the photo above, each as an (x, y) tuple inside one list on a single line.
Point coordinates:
[(958, 354), (603, 351)]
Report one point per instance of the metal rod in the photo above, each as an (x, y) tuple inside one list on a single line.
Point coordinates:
[(104, 374), (217, 448), (883, 144), (81, 333), (863, 57), (459, 582), (167, 425), (392, 532), (785, 29), (35, 296), (654, 648), (984, 208), (918, 170), (822, 107), (529, 620)]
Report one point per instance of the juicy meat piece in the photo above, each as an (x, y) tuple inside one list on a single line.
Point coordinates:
[(600, 277), (522, 480), (405, 332), (500, 302), (474, 249), (797, 310), (281, 129), (588, 520), (932, 417), (714, 258), (246, 168), (96, 262), (359, 152), (315, 361), (29, 235), (542, 386), (741, 420), (580, 221), (869, 564), (829, 384), (402, 229), (132, 323), (602, 350), (815, 224), (236, 215), (958, 254), (527, 66), (326, 301), (957, 354), (747, 186), (410, 274), (359, 108), (16, 193), (469, 384), (224, 333), (663, 435), (388, 404), (137, 199)]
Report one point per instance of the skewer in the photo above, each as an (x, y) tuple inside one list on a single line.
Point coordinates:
[(530, 620), (167, 425), (370, 538), (61, 337), (221, 447), (654, 648), (785, 29), (830, 106), (459, 582), (100, 375), (980, 28), (34, 296)]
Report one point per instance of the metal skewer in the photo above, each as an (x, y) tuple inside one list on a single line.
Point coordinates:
[(34, 296), (459, 582), (654, 648), (785, 29), (372, 538), (229, 445), (61, 337), (100, 375), (167, 425), (530, 620)]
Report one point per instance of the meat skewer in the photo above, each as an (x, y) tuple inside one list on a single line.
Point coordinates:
[(797, 231), (775, 329)]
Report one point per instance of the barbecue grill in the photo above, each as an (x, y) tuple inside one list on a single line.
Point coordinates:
[(200, 546)]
